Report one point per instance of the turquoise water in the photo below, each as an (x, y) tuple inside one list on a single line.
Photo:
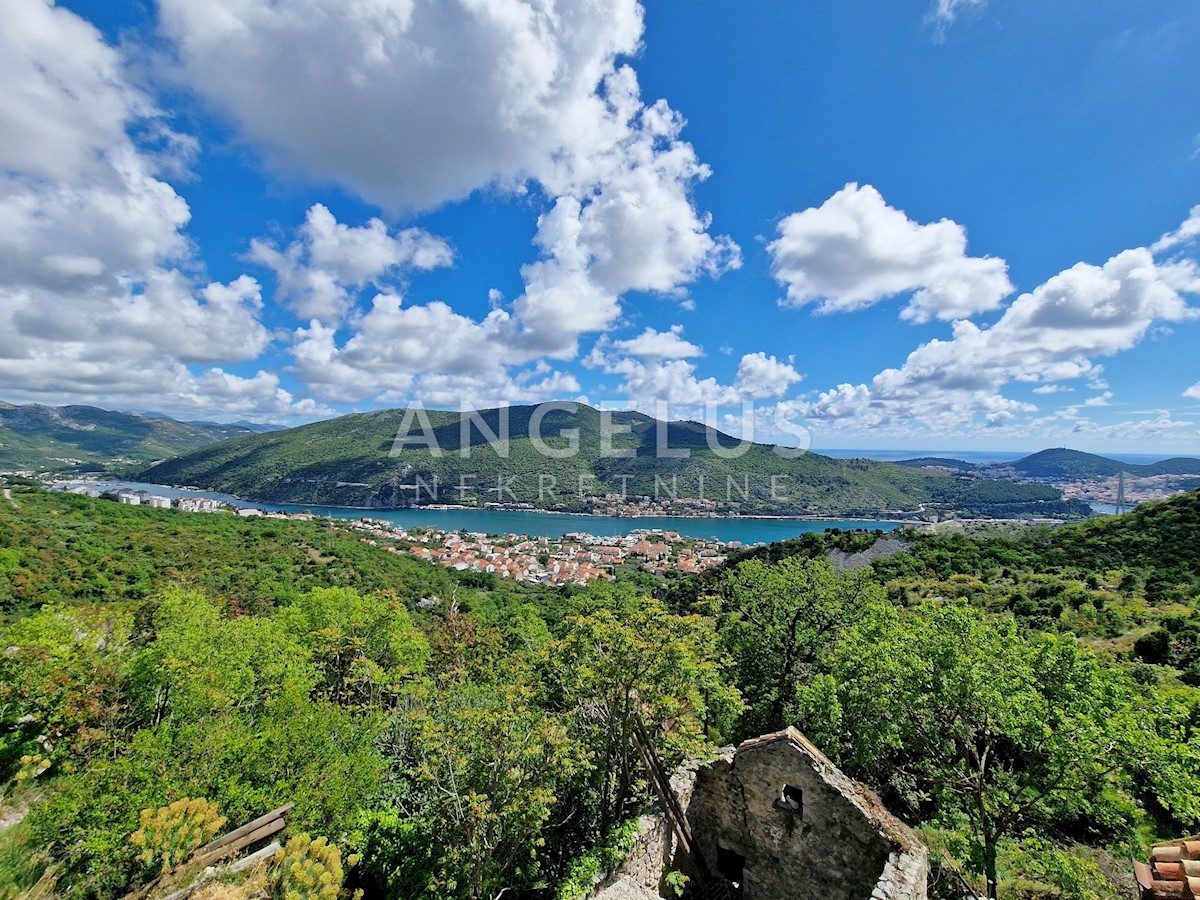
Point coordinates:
[(503, 521)]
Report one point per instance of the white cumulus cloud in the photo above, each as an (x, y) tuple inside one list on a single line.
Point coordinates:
[(416, 103), (409, 102), (652, 344), (98, 299), (1184, 234), (760, 376), (320, 272), (1049, 335), (662, 385), (854, 251)]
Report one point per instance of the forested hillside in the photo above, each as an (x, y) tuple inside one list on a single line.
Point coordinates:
[(1027, 700), (460, 738), (355, 460), (1029, 696), (1062, 464), (68, 438)]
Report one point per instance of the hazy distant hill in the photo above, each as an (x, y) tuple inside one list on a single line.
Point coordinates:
[(939, 462), (348, 461), (1176, 465), (1063, 464), (63, 438), (241, 426)]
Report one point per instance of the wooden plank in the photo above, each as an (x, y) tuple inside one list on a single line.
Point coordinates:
[(234, 846), (44, 888), (183, 893), (245, 829), (255, 858), (240, 866), (673, 812)]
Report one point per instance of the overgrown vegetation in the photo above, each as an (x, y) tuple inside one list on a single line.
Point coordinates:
[(1030, 695), (461, 739), (1026, 698)]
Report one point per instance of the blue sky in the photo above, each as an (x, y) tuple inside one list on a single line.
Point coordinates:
[(962, 224)]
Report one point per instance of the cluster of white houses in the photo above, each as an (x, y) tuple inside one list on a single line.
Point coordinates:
[(130, 497)]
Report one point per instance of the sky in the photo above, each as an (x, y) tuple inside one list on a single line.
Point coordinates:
[(957, 224)]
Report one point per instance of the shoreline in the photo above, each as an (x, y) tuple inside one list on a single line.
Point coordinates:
[(447, 507), (867, 521)]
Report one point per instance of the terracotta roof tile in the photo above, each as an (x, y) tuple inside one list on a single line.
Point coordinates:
[(1169, 871)]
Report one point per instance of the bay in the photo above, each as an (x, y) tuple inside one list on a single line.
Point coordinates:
[(538, 524)]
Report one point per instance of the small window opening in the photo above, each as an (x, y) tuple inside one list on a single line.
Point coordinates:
[(790, 799), (730, 865)]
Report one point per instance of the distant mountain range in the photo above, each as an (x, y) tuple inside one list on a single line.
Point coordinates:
[(74, 438), (255, 427), (1061, 464), (354, 460)]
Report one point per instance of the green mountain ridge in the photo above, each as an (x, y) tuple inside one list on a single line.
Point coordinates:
[(356, 460), (67, 438), (1062, 463)]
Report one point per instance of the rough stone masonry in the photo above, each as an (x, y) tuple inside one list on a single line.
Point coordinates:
[(776, 818)]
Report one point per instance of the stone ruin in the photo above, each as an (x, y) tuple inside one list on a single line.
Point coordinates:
[(774, 819)]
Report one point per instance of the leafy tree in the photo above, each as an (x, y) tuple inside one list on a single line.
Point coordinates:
[(60, 685), (991, 727), (612, 671), (204, 664), (364, 647), (487, 764), (777, 622)]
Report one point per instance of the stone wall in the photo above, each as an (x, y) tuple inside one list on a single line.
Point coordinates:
[(640, 878), (800, 827), (655, 852), (776, 816)]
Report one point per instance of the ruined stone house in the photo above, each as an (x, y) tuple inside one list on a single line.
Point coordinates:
[(775, 818)]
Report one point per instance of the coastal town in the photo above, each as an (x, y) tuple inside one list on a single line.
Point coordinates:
[(575, 558), (1134, 491)]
